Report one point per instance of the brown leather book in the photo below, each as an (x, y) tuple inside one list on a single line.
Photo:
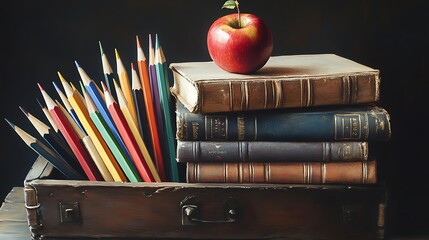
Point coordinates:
[(294, 173), (284, 82)]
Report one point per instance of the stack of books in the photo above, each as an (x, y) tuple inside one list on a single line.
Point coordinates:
[(301, 119)]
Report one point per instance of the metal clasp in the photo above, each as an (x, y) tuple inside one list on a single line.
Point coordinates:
[(191, 211)]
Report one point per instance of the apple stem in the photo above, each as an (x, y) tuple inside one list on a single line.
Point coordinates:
[(231, 4), (238, 13)]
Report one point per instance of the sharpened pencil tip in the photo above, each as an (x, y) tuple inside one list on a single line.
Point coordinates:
[(77, 64), (156, 41), (61, 76), (10, 123), (138, 41), (82, 87), (116, 53), (150, 41), (104, 87), (56, 87), (40, 104), (101, 48), (40, 87), (23, 111)]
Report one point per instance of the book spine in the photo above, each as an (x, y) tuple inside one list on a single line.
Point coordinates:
[(363, 172), (354, 125), (238, 151), (287, 93)]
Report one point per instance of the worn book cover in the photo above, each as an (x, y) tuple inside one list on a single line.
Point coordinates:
[(262, 151), (328, 123), (284, 82), (364, 172)]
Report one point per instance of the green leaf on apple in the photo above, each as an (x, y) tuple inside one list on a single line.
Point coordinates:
[(231, 4)]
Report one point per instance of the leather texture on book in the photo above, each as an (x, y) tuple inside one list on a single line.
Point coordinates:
[(351, 123), (363, 172), (257, 151), (284, 82)]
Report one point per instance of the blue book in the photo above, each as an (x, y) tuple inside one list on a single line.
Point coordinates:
[(334, 123)]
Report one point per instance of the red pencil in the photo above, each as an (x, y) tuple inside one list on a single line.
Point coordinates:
[(72, 139), (127, 136)]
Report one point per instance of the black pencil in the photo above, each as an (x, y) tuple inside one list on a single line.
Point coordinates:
[(109, 75), (141, 109), (50, 120), (52, 138), (43, 150)]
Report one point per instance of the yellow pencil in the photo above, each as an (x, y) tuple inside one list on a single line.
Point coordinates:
[(89, 145), (99, 143), (135, 131), (125, 84)]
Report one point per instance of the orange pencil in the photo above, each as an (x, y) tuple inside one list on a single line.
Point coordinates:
[(127, 136), (148, 101), (72, 139)]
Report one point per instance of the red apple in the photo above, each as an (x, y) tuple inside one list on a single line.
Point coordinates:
[(239, 48)]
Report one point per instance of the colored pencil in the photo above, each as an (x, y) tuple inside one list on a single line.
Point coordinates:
[(126, 86), (99, 143), (49, 118), (108, 73), (140, 109), (111, 141), (72, 139), (52, 138), (68, 106), (164, 96), (134, 130), (150, 110), (89, 146), (98, 99), (43, 150), (128, 137)]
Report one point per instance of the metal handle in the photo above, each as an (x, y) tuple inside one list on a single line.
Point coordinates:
[(191, 210)]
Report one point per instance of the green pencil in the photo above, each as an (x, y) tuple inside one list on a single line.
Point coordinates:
[(163, 88), (120, 156)]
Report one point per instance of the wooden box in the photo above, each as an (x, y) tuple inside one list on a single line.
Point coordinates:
[(77, 209)]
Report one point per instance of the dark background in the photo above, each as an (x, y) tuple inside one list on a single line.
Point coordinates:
[(41, 37)]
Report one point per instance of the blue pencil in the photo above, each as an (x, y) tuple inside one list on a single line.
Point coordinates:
[(99, 102)]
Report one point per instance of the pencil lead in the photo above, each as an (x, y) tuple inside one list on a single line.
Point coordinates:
[(150, 41), (77, 64), (156, 41), (10, 123), (138, 41), (104, 87), (61, 77), (82, 87), (40, 87), (117, 54), (23, 111), (56, 87), (40, 104), (101, 48)]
